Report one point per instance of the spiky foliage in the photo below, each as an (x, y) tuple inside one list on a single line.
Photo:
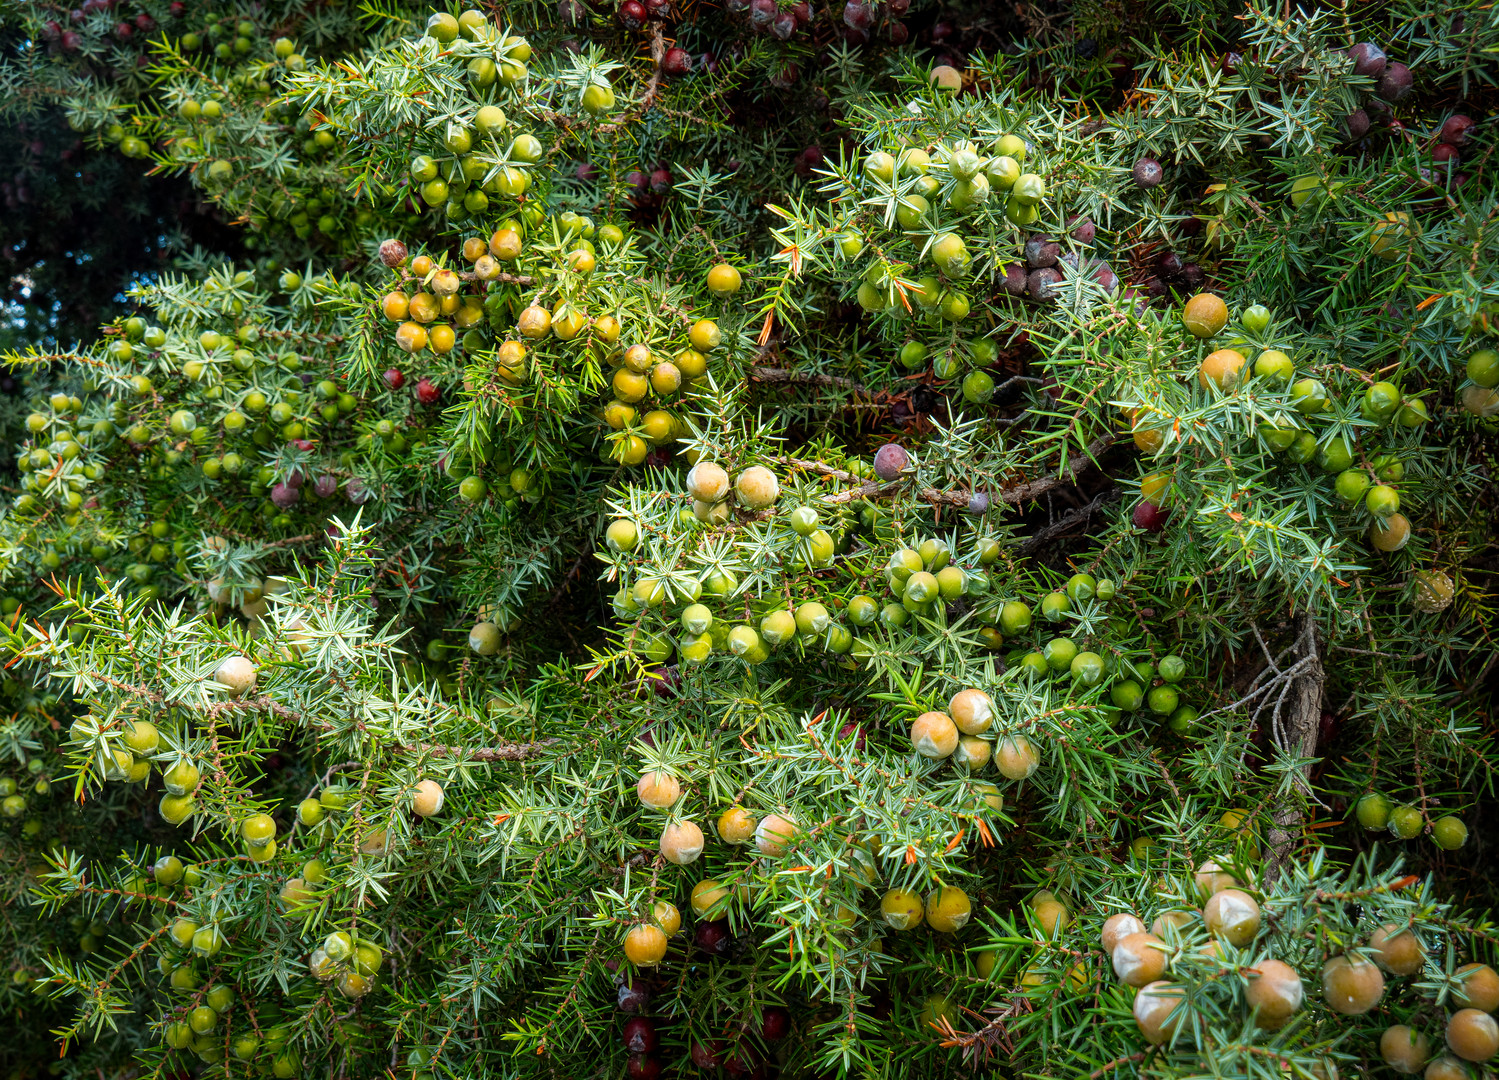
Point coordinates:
[(597, 630)]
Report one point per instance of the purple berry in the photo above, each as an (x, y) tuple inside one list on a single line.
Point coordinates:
[(1042, 251), (1041, 284), (890, 461), (1368, 59), (1395, 83), (1150, 517), (285, 496), (1148, 172)]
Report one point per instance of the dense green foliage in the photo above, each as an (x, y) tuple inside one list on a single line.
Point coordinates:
[(736, 539)]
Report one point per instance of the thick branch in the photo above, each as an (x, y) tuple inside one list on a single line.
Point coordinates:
[(1294, 727)]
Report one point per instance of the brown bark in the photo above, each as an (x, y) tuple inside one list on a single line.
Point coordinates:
[(1294, 727)]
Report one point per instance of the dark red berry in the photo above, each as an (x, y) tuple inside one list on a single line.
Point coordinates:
[(1148, 172), (803, 12), (857, 15), (661, 181), (1445, 152), (427, 392), (1041, 285), (124, 31), (325, 486), (1193, 277), (784, 26), (941, 30), (394, 378), (1083, 229), (1356, 125), (1230, 63), (775, 1023), (637, 180), (1014, 282), (1106, 277), (708, 1055), (285, 496), (898, 32), (1368, 59), (1149, 517), (1042, 251), (641, 1067), (658, 9), (1169, 264), (1455, 130), (145, 22), (852, 731), (1395, 83), (786, 76), (176, 8), (676, 63), (890, 461), (571, 12), (640, 1035), (762, 13), (713, 937), (632, 15), (633, 997), (71, 41)]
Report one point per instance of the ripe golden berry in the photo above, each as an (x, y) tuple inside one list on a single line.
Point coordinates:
[(736, 825), (505, 245), (1211, 878), (395, 305), (972, 710), (682, 843), (707, 482), (1446, 1067), (1016, 756), (1118, 927), (658, 789), (534, 322), (1233, 915), (934, 735), (645, 945), (427, 798), (1139, 958), (1396, 950), (902, 909), (707, 895), (1404, 1049), (1221, 369), (1051, 915), (665, 915), (947, 909), (705, 335), (1167, 920), (757, 488), (236, 674), (724, 280), (1204, 315), (1351, 985), (972, 753), (411, 337), (1390, 534), (1274, 991), (1478, 988), (1473, 1035), (1156, 1010), (774, 834)]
